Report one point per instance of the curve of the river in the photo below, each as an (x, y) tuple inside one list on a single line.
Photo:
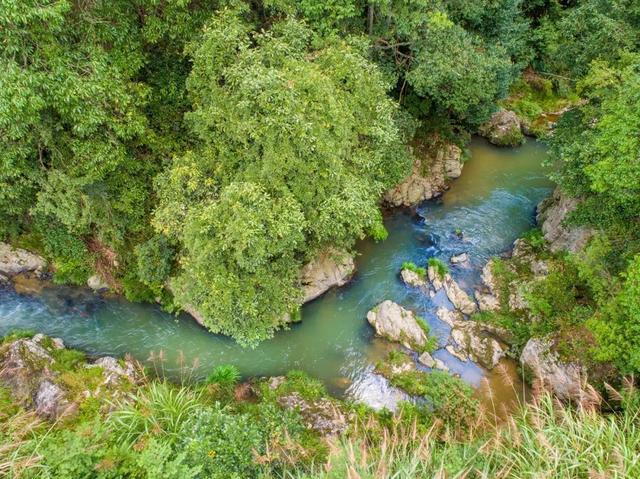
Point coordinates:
[(492, 203)]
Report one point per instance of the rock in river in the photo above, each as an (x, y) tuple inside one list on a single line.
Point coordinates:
[(395, 323), (503, 129), (329, 269), (412, 278)]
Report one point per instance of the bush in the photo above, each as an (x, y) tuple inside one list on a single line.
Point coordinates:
[(225, 375)]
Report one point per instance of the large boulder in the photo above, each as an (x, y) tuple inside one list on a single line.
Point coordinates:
[(329, 269), (434, 165), (567, 380), (552, 213), (411, 278), (458, 297), (15, 261), (503, 129), (375, 391), (395, 323)]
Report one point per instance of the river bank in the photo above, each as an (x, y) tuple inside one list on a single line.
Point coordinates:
[(492, 203)]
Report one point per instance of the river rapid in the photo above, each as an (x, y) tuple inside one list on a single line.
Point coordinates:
[(492, 203)]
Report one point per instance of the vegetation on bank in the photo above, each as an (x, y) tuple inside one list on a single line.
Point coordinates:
[(224, 429), (130, 130)]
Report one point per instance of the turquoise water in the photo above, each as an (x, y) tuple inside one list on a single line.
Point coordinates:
[(492, 203)]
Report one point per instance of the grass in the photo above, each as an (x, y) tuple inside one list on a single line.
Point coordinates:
[(439, 266), (422, 272), (158, 409), (544, 439)]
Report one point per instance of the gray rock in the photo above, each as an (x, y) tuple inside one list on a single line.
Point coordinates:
[(412, 278), (429, 175), (552, 214), (50, 400), (568, 381), (395, 323), (426, 359), (448, 316), (479, 344), (456, 354), (114, 373), (330, 269), (97, 283), (486, 301), (503, 129), (458, 297), (461, 259), (375, 391), (322, 415), (440, 365), (16, 261), (435, 278)]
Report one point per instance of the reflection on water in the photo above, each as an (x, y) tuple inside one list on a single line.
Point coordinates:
[(492, 204)]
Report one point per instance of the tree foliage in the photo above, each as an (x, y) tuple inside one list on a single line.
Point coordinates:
[(296, 143)]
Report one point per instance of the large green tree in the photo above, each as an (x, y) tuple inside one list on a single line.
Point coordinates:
[(297, 141)]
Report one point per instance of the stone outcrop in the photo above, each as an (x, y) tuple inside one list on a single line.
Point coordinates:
[(431, 362), (552, 213), (411, 278), (458, 297), (455, 293), (15, 261), (435, 278), (431, 170), (503, 129), (488, 296), (330, 269), (26, 370), (456, 354), (395, 323), (565, 380), (448, 316), (114, 372), (482, 342), (476, 340)]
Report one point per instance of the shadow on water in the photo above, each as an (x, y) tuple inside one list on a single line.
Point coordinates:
[(492, 204)]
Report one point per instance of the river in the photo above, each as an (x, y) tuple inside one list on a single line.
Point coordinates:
[(492, 203)]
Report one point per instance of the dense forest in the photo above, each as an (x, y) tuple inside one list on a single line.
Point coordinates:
[(200, 153)]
